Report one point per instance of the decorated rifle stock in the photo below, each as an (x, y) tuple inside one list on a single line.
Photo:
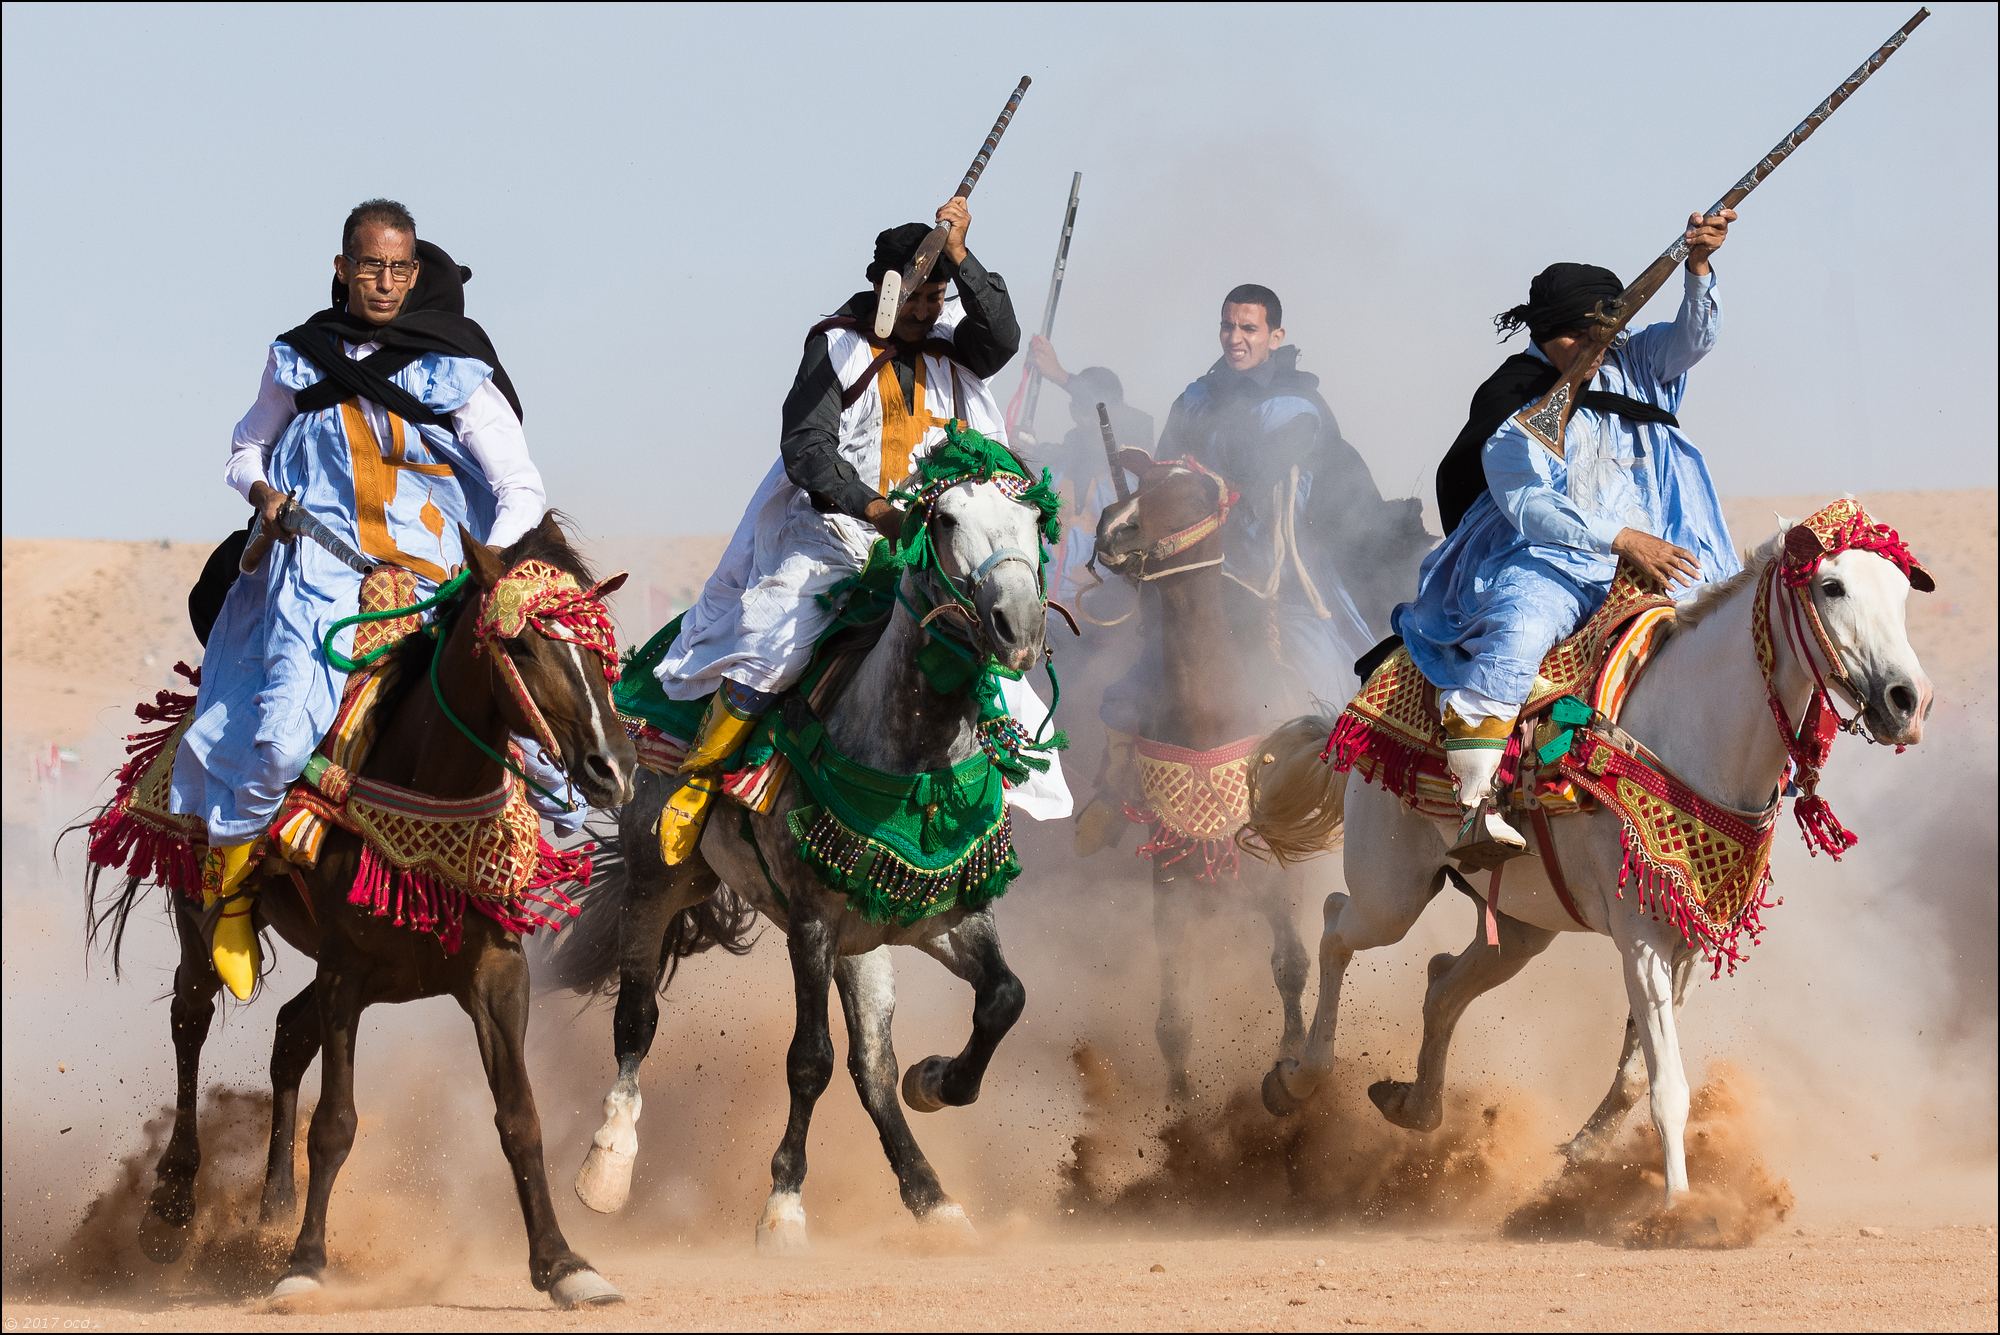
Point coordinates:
[(1546, 419), (896, 293)]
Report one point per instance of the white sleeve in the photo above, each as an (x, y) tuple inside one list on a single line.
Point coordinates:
[(260, 428), (491, 434)]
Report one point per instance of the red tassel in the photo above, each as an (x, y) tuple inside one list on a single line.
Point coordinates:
[(1820, 828)]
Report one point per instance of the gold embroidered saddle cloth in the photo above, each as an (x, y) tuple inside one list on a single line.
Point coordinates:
[(1391, 734)]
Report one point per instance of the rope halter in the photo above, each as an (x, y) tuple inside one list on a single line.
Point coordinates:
[(538, 596), (1840, 527), (1173, 544)]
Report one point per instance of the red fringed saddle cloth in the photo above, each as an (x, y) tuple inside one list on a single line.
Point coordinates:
[(423, 862), (1392, 736), (1196, 801)]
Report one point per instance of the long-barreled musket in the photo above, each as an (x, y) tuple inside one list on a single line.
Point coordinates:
[(898, 288), (1546, 419), (1031, 379), (1110, 440)]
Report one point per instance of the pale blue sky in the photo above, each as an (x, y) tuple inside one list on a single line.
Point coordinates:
[(659, 202)]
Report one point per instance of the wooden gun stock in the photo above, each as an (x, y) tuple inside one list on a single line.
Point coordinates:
[(1546, 419), (895, 295)]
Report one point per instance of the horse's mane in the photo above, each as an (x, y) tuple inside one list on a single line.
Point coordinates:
[(1691, 612)]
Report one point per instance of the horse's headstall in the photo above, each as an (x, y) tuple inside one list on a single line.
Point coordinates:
[(540, 595)]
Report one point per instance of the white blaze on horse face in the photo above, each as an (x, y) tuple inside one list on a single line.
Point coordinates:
[(1862, 600), (974, 522)]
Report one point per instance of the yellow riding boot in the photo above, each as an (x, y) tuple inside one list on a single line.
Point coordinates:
[(225, 879), (1101, 823), (723, 729)]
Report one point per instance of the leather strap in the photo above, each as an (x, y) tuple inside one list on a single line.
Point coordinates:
[(1547, 848)]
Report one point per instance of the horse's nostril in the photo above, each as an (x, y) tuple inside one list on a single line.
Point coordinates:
[(1002, 627), (1903, 699), (597, 767)]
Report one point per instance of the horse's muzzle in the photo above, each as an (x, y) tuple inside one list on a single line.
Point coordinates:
[(1897, 710)]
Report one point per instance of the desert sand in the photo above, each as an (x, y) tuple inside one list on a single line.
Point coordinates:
[(1843, 1149)]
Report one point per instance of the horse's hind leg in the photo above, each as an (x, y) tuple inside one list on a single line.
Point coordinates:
[(972, 951), (169, 1210), (814, 945), (292, 1051), (1455, 981), (1627, 1082), (339, 993), (654, 895), (867, 986), (497, 1001), (1289, 963)]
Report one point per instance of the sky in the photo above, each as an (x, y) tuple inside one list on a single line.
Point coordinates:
[(658, 202)]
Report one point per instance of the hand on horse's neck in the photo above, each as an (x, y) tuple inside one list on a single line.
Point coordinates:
[(419, 748), (891, 718), (1701, 706), (1202, 703)]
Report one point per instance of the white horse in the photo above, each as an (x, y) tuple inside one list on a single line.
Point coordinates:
[(1703, 706)]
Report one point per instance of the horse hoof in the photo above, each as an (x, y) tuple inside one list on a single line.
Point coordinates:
[(583, 1288), (160, 1239), (921, 1085), (605, 1180), (782, 1230), (1279, 1101), (1393, 1099), (294, 1289), (947, 1228)]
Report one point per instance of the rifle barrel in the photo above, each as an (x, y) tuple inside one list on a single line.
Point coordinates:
[(1118, 482), (1034, 392)]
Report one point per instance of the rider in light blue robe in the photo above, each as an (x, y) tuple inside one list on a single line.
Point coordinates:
[(1534, 555), (1532, 559), (268, 694)]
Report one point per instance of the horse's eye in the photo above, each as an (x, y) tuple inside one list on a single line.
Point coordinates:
[(947, 520), (1833, 588)]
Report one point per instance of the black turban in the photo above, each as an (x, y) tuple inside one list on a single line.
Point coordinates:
[(895, 248), (1560, 300)]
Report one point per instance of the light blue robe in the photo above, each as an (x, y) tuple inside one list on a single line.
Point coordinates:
[(1532, 558), (267, 695)]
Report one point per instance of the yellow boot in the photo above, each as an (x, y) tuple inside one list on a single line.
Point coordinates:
[(225, 879), (722, 730)]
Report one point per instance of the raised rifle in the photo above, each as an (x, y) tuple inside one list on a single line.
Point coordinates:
[(1118, 482), (1031, 380), (898, 288), (1546, 419)]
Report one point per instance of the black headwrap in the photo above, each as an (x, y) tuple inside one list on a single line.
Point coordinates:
[(433, 319), (1560, 300), (895, 248)]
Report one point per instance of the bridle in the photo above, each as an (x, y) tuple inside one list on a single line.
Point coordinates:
[(1173, 544), (961, 597), (1786, 584)]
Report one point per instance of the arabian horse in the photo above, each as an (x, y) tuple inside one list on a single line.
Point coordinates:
[(1219, 675), (888, 717), (1715, 706), (363, 960)]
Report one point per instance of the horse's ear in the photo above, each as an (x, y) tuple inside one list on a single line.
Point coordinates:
[(481, 560), (612, 585), (1803, 547), (550, 529)]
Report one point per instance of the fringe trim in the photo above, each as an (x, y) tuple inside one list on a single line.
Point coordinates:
[(1661, 893), (883, 888), (422, 902), (121, 841), (1397, 764), (1219, 858), (1820, 828)]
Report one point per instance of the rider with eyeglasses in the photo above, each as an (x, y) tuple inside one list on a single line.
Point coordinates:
[(388, 417)]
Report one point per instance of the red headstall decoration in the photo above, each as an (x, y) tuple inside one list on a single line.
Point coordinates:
[(538, 595), (1840, 527)]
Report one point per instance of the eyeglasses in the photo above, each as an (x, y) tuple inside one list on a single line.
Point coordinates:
[(400, 271)]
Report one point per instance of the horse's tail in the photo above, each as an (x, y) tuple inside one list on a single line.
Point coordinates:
[(585, 957), (1296, 799), (106, 913)]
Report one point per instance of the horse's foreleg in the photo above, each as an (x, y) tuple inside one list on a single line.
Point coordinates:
[(1174, 909), (497, 1001), (1378, 915), (1650, 989), (867, 986), (604, 1182), (814, 944), (169, 1210), (972, 951), (1627, 1082), (293, 1048), (1289, 965), (1455, 981), (340, 993)]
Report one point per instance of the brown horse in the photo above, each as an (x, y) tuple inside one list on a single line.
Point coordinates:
[(1218, 682), (363, 960)]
